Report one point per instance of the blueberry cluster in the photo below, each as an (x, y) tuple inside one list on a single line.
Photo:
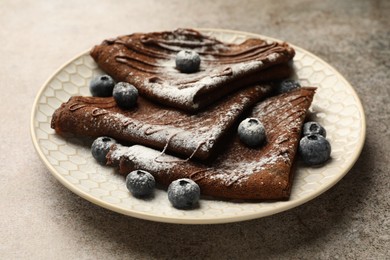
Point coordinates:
[(182, 193), (124, 93), (314, 148)]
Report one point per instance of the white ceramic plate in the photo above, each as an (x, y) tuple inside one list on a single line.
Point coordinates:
[(336, 106)]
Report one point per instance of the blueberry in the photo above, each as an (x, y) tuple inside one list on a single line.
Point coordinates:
[(100, 148), (187, 61), (183, 193), (288, 85), (251, 132), (314, 149), (140, 183), (101, 86), (125, 95), (313, 128)]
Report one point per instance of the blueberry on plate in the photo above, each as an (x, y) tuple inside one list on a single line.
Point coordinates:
[(288, 85), (101, 86), (140, 183), (314, 149), (251, 132), (125, 95), (311, 127), (100, 148), (187, 61), (183, 193)]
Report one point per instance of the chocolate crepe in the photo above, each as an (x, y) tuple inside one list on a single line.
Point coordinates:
[(239, 172), (147, 60), (153, 125)]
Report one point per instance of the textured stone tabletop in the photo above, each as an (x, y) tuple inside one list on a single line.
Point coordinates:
[(41, 219)]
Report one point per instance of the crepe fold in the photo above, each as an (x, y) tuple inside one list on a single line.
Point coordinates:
[(156, 126), (147, 60), (239, 172)]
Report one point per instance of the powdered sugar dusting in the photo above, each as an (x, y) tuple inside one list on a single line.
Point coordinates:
[(144, 158), (173, 129), (152, 55), (273, 57), (155, 133), (237, 171), (235, 167), (170, 90)]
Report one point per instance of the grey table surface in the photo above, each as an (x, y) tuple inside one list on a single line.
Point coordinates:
[(41, 219)]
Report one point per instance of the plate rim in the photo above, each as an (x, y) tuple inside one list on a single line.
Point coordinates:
[(194, 220)]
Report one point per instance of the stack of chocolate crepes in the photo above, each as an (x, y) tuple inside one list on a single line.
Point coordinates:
[(184, 125)]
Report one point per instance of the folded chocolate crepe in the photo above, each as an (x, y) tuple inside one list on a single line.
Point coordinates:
[(147, 60), (240, 172), (156, 126)]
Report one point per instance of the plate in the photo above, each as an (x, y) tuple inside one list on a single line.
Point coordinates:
[(336, 106)]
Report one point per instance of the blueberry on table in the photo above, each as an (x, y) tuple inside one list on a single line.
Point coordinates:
[(288, 85), (183, 193), (125, 95), (140, 183), (101, 86), (100, 148), (313, 128), (251, 132), (187, 61), (314, 149)]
